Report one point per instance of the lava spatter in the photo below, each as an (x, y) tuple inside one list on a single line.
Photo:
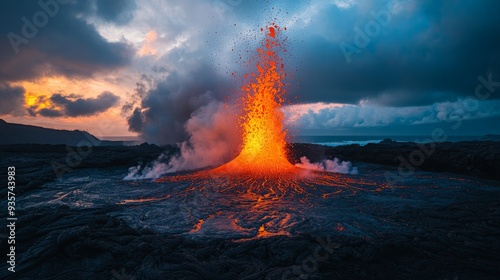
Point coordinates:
[(263, 150)]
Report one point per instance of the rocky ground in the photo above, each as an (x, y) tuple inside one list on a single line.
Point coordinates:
[(456, 242), (43, 163), (37, 164), (425, 229), (475, 158)]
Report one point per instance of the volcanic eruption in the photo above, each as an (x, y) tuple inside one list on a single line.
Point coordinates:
[(259, 193), (263, 150)]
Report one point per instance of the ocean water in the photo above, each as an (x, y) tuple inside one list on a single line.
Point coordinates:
[(335, 141)]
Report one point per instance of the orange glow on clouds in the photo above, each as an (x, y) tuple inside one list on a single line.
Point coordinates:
[(147, 47), (37, 96), (38, 101), (38, 92)]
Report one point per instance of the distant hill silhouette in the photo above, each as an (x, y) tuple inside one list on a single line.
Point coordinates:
[(13, 133), (490, 137)]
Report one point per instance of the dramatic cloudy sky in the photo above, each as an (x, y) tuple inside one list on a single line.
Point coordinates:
[(151, 68)]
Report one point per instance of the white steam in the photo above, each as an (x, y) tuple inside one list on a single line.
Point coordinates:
[(212, 129), (334, 166)]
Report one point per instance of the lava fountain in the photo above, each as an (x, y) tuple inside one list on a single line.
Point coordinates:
[(263, 150), (261, 172), (259, 193)]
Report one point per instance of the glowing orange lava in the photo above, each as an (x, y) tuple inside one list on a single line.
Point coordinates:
[(263, 150)]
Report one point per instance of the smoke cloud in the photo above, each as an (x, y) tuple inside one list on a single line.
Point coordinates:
[(164, 105), (12, 100), (213, 140), (333, 166)]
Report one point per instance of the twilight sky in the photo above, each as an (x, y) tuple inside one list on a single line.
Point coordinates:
[(151, 68)]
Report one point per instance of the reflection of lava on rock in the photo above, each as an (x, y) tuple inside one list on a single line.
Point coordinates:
[(247, 206)]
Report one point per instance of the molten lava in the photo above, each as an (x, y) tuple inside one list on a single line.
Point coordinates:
[(263, 150), (264, 194)]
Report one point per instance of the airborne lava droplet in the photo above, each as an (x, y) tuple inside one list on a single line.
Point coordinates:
[(272, 32)]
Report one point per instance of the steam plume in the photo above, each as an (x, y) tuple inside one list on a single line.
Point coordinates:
[(212, 129), (334, 166)]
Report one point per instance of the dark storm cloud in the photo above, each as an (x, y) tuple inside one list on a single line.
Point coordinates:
[(118, 11), (50, 113), (431, 51), (427, 52), (76, 106), (12, 100), (53, 38)]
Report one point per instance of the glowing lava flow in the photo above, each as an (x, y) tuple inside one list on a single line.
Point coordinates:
[(263, 150), (264, 194), (259, 194)]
